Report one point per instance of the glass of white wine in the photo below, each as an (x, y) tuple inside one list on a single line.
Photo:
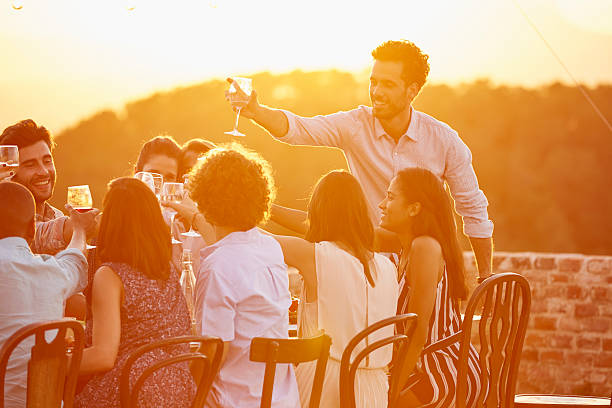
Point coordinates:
[(239, 98), (79, 198), (191, 233), (172, 192)]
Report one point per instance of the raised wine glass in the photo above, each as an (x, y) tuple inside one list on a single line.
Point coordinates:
[(146, 178), (191, 233), (79, 198), (172, 192), (239, 98), (9, 157)]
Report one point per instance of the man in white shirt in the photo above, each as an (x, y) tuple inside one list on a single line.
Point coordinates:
[(391, 135), (33, 288), (242, 288)]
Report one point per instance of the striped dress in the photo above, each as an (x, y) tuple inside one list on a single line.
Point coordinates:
[(435, 377)]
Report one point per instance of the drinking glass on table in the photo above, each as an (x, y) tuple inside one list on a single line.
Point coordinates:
[(174, 192), (9, 157), (79, 198), (239, 97)]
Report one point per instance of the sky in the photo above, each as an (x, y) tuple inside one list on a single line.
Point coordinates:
[(63, 60)]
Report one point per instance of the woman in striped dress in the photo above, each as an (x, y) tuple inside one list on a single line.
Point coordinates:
[(418, 210)]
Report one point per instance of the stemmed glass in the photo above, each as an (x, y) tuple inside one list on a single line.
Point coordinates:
[(239, 98), (79, 198), (191, 233), (172, 192), (146, 178), (9, 156)]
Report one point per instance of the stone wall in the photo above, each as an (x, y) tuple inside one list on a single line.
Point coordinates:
[(568, 346)]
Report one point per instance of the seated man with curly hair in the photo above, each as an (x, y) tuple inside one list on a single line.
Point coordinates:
[(242, 286)]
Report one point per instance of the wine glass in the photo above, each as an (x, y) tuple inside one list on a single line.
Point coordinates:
[(191, 233), (9, 156), (146, 178), (79, 198), (158, 181), (239, 99), (172, 192)]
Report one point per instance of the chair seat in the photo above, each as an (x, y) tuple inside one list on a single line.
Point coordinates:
[(558, 401)]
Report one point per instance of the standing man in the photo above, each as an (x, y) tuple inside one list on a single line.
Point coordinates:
[(391, 135), (36, 172)]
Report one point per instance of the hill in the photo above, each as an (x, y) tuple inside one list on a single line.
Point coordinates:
[(542, 155)]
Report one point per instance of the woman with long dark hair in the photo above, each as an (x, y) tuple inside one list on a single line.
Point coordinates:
[(418, 210), (136, 300), (347, 287)]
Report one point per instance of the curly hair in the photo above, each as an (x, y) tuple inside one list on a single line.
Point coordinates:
[(26, 133), (416, 65), (233, 187)]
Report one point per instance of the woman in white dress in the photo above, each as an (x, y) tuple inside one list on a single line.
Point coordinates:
[(347, 287)]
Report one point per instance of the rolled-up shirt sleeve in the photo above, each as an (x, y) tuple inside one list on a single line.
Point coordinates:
[(470, 201), (215, 301), (323, 130), (49, 236)]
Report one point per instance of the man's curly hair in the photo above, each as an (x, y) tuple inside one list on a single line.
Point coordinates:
[(233, 187), (416, 66)]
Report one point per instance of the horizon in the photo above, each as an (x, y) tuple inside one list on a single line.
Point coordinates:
[(103, 55)]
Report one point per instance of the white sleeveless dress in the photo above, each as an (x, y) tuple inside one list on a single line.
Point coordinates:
[(346, 305)]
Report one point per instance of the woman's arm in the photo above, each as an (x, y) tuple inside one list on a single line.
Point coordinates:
[(107, 295), (295, 220), (423, 274), (301, 254)]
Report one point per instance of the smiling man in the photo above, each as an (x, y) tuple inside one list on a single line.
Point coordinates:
[(389, 136), (37, 173)]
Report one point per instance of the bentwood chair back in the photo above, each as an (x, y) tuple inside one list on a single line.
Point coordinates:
[(400, 341), (53, 367), (206, 366), (284, 351), (502, 303)]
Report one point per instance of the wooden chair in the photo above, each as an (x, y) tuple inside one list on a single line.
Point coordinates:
[(284, 351), (207, 365), (53, 367), (503, 302), (400, 341)]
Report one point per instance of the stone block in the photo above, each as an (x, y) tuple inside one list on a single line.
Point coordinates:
[(600, 294), (596, 324), (570, 324), (545, 323), (555, 291), (570, 264), (530, 354), (545, 263), (520, 263), (536, 340), (586, 310), (607, 344), (575, 292), (559, 278), (554, 356), (604, 360), (562, 341), (599, 266), (588, 343)]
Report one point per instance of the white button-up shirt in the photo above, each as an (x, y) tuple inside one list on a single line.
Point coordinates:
[(242, 291), (375, 158), (33, 288)]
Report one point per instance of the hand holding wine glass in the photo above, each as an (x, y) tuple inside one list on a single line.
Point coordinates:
[(79, 199), (9, 161), (239, 95)]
